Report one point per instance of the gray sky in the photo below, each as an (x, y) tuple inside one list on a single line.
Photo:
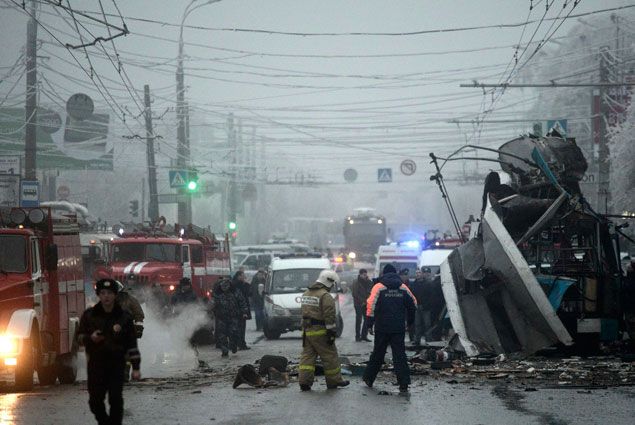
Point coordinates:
[(336, 109)]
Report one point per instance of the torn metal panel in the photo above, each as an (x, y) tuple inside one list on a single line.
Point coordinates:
[(494, 301)]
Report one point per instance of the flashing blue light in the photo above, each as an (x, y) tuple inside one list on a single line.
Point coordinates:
[(412, 244)]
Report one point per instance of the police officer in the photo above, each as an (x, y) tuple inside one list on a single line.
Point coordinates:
[(108, 333), (319, 323)]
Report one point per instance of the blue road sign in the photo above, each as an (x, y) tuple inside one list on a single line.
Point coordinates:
[(384, 175), (178, 178), (559, 125), (29, 193)]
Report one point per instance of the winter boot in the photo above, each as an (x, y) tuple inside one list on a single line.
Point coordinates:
[(338, 385)]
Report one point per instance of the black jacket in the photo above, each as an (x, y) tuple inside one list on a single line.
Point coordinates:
[(245, 290), (184, 297), (390, 305), (228, 305), (257, 298), (428, 293), (120, 343), (361, 290)]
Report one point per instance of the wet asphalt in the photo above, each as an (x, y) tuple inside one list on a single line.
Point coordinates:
[(182, 391)]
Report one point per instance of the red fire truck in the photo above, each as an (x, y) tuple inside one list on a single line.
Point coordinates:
[(143, 258), (41, 295)]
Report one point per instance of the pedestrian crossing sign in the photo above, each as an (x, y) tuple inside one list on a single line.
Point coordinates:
[(384, 175), (178, 178)]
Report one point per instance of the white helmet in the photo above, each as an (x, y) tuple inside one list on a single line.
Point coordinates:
[(328, 278)]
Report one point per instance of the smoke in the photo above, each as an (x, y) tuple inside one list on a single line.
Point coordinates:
[(165, 348)]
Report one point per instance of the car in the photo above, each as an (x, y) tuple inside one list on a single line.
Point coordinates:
[(288, 278)]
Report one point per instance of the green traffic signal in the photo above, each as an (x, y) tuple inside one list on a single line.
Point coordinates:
[(231, 225), (192, 185)]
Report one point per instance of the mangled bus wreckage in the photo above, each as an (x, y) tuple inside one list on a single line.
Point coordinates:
[(544, 267)]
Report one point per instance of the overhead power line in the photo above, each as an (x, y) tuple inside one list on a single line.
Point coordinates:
[(361, 33)]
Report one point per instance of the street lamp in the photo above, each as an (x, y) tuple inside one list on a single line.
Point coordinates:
[(183, 152)]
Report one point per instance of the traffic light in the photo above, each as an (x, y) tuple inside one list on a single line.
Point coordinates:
[(234, 235), (192, 181), (232, 225), (134, 208)]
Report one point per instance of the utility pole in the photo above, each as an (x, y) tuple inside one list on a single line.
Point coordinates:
[(153, 205), (262, 202), (30, 133), (604, 163), (231, 193), (143, 200), (181, 151), (188, 195)]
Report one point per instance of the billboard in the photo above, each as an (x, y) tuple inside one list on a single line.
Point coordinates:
[(63, 142)]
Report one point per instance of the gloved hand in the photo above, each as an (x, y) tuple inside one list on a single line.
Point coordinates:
[(330, 335)]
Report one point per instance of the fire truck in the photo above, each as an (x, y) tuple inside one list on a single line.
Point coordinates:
[(41, 295), (148, 258)]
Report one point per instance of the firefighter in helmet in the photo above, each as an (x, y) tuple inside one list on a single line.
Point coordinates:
[(319, 324)]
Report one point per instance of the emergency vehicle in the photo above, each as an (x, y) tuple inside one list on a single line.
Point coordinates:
[(288, 278), (41, 295), (403, 255), (144, 257)]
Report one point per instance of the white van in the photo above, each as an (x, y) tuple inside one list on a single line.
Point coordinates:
[(402, 256), (287, 280), (432, 258)]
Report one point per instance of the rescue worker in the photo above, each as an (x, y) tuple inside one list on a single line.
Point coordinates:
[(132, 306), (229, 308), (389, 307), (361, 291), (129, 303), (258, 298), (107, 333), (319, 325), (239, 282)]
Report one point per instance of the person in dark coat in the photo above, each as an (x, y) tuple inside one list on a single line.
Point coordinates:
[(229, 308), (361, 291), (107, 332), (429, 298), (389, 306), (258, 298), (240, 283), (185, 294)]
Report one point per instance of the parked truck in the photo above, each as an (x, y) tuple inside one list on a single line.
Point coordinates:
[(41, 295), (146, 259)]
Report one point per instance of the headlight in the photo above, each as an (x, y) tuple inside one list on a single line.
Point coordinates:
[(8, 345), (280, 311)]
